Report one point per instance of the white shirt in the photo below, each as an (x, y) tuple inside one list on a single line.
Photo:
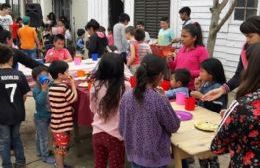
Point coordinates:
[(187, 22), (6, 21)]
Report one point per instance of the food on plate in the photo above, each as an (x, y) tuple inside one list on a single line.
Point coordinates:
[(83, 84), (206, 126)]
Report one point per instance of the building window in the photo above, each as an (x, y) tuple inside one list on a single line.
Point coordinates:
[(15, 5), (150, 12), (245, 9)]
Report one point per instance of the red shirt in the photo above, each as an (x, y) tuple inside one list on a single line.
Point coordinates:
[(57, 55), (14, 28)]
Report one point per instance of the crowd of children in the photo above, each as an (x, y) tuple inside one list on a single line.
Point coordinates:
[(136, 122)]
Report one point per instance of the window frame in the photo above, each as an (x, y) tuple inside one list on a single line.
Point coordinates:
[(238, 22)]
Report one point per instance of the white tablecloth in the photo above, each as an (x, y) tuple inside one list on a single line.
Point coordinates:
[(87, 65)]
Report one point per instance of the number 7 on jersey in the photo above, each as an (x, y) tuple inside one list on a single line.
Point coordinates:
[(13, 87)]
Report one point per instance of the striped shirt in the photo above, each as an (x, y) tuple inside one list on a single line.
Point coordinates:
[(61, 98)]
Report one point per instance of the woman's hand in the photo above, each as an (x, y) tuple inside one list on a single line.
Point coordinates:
[(222, 113), (196, 94), (213, 94)]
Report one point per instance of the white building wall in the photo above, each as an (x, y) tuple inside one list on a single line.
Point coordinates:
[(98, 9), (79, 13)]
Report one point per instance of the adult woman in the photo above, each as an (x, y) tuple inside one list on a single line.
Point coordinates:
[(192, 53), (238, 133), (19, 56), (251, 29)]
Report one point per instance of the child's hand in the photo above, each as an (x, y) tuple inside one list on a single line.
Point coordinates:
[(45, 86), (71, 80), (196, 94), (222, 113), (197, 83), (160, 90)]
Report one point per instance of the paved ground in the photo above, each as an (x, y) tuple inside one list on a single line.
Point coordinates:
[(86, 158)]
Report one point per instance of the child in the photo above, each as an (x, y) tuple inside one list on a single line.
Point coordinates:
[(13, 90), (192, 53), (238, 133), (80, 44), (140, 48), (42, 115), (140, 25), (165, 35), (61, 97), (179, 83), (58, 52), (212, 76), (97, 41), (110, 37), (145, 114), (105, 96)]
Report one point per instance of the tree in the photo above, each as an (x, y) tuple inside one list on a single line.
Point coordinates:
[(216, 22)]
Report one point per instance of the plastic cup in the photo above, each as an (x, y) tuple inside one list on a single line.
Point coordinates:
[(132, 81), (180, 98), (43, 79), (165, 85), (77, 60), (190, 103), (94, 56)]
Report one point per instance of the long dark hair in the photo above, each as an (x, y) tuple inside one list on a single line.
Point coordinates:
[(215, 68), (250, 80), (251, 25), (195, 31), (111, 74), (151, 66)]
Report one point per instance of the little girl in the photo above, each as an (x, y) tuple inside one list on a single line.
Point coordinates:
[(212, 76), (105, 95), (147, 118), (192, 53), (238, 133)]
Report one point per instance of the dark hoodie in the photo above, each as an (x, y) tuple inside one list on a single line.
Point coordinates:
[(97, 43)]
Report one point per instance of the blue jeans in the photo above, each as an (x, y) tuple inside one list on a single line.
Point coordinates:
[(42, 137), (133, 165), (31, 53), (10, 136)]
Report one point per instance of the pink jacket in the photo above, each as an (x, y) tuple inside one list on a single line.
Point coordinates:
[(99, 125), (190, 59)]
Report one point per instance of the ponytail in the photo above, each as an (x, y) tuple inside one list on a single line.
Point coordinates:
[(195, 31), (142, 81), (147, 73)]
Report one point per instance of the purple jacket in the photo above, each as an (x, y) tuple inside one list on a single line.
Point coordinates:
[(146, 128)]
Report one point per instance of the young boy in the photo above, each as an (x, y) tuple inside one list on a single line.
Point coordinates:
[(140, 25), (42, 114), (179, 83), (13, 90), (165, 35), (58, 52), (80, 44), (61, 97), (141, 49)]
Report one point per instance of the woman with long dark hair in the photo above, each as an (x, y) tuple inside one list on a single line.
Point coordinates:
[(192, 53), (147, 118), (108, 88), (251, 29), (239, 130), (19, 56)]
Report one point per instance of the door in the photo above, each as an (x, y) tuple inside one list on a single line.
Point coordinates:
[(62, 8), (116, 7)]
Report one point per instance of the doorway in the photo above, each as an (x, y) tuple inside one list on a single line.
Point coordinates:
[(116, 7), (62, 8)]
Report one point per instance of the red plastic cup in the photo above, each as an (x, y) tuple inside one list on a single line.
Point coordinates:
[(190, 103), (165, 85), (132, 81)]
